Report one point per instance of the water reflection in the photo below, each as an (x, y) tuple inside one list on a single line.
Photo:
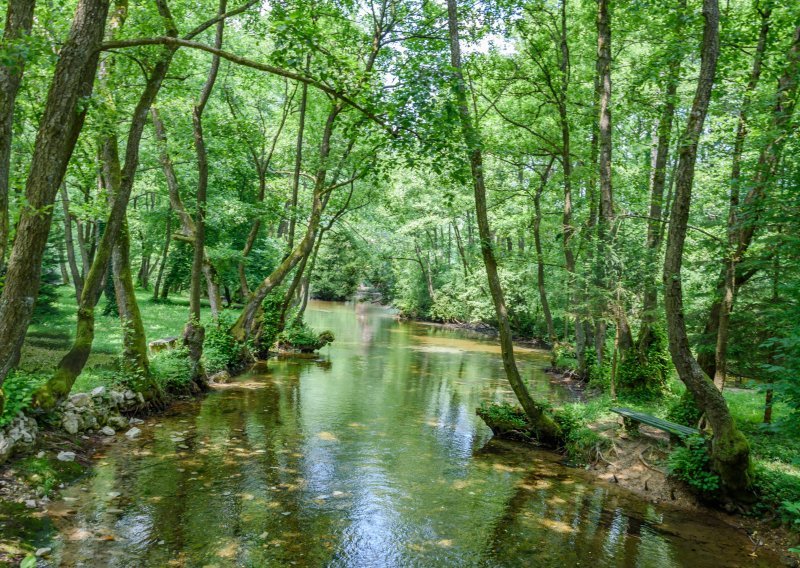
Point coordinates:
[(371, 457)]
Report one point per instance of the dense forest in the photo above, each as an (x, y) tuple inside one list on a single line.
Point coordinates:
[(615, 182)]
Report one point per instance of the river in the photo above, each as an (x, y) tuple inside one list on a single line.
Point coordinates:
[(370, 455)]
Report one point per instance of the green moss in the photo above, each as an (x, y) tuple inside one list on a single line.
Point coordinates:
[(47, 473)]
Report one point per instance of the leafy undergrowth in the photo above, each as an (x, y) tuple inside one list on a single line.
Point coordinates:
[(775, 451)]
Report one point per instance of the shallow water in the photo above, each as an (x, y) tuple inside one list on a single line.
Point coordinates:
[(370, 456)]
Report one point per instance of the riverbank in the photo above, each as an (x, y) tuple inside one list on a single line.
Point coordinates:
[(269, 428)]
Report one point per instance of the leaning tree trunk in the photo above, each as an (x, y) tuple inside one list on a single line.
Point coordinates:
[(164, 255), (246, 323), (545, 427), (69, 242), (71, 365), (188, 227), (19, 19), (730, 452), (59, 127), (537, 242), (194, 333)]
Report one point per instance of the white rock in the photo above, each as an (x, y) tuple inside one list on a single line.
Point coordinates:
[(107, 431), (80, 399), (40, 455), (70, 423), (129, 395), (43, 552), (66, 456), (133, 433), (136, 421), (98, 392)]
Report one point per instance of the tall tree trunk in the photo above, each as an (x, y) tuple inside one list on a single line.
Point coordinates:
[(748, 210), (164, 255), (658, 179), (730, 452), (537, 241), (566, 164), (298, 160), (71, 365), (194, 332), (77, 279), (188, 226), (547, 430), (60, 125), (19, 19), (606, 217), (244, 326)]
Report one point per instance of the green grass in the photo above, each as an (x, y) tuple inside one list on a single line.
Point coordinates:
[(50, 334)]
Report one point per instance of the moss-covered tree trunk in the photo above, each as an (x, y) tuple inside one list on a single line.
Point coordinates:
[(730, 451), (61, 122), (194, 333), (542, 423), (19, 18), (71, 365)]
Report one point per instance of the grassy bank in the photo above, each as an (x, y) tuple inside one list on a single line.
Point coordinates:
[(775, 451), (53, 330)]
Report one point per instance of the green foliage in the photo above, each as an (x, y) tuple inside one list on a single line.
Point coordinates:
[(581, 443), (221, 352), (339, 267), (270, 319), (300, 336), (172, 369), (18, 389), (778, 487), (504, 415), (692, 464), (684, 411), (645, 374), (563, 357)]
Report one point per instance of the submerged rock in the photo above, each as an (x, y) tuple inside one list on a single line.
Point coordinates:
[(133, 433)]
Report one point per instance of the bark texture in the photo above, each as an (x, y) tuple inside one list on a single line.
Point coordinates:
[(543, 425), (730, 451), (59, 127)]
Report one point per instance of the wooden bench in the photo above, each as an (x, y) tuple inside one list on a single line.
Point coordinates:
[(679, 431)]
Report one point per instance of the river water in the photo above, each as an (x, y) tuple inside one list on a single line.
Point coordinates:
[(370, 455)]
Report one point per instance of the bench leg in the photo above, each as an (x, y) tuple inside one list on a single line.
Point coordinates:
[(630, 426)]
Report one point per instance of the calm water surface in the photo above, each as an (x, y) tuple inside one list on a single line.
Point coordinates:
[(370, 456)]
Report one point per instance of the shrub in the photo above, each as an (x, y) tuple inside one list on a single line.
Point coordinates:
[(172, 368), (300, 336), (647, 376), (684, 411), (18, 388), (581, 443), (221, 352), (692, 464)]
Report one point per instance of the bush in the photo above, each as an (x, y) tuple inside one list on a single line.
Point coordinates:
[(172, 368), (221, 352), (684, 411), (692, 464), (778, 486), (303, 338), (581, 443), (648, 377), (18, 388)]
